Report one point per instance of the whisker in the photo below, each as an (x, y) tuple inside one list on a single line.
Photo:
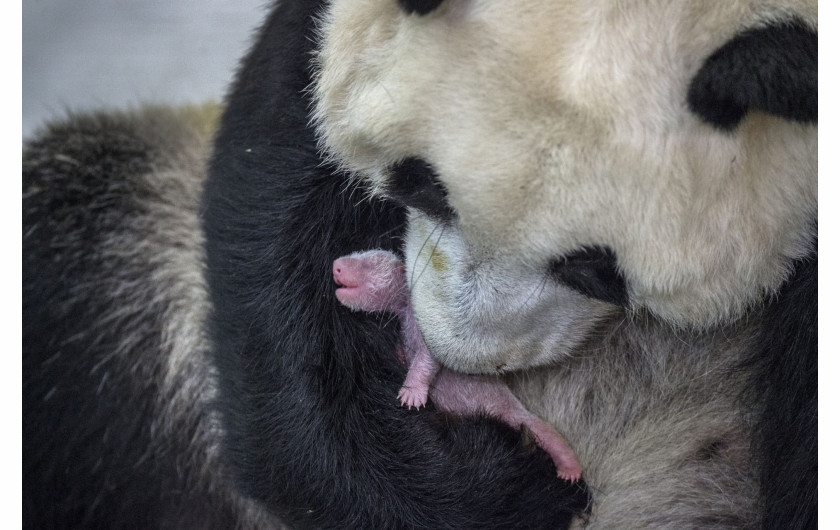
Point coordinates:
[(391, 317), (426, 242), (431, 254), (537, 290), (417, 257), (387, 233)]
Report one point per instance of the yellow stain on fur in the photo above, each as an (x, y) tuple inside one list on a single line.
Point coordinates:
[(429, 253), (439, 262)]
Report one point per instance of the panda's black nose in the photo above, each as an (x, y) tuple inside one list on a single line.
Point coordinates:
[(421, 7), (415, 183), (593, 271)]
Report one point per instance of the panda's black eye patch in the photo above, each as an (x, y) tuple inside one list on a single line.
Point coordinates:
[(414, 183), (592, 271), (421, 7), (772, 69)]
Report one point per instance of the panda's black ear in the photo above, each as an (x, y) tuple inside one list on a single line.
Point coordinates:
[(772, 69)]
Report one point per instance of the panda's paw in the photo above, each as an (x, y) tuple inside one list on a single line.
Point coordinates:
[(412, 397), (569, 471)]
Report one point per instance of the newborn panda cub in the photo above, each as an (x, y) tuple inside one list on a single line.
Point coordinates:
[(375, 281)]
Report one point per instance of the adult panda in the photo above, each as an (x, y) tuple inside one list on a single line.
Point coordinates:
[(613, 205)]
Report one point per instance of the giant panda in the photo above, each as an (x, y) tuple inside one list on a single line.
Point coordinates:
[(612, 206)]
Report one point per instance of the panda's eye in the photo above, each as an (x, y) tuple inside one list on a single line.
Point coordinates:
[(414, 183), (772, 69), (421, 7), (592, 271)]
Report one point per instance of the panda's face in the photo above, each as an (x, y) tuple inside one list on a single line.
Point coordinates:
[(555, 167)]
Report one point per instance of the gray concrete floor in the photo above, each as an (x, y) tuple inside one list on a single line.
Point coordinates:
[(84, 54)]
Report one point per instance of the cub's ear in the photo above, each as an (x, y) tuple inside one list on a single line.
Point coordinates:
[(772, 69)]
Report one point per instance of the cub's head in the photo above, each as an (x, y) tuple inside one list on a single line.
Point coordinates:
[(564, 159)]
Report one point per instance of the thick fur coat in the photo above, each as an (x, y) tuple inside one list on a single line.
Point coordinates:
[(186, 363)]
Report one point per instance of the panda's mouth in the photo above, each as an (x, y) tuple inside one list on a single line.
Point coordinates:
[(349, 284)]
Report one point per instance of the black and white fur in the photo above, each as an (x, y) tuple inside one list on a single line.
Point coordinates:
[(180, 377)]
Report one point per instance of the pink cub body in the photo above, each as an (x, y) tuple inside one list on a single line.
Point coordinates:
[(375, 281)]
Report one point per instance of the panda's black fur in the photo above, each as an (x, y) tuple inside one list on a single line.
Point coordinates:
[(772, 69), (305, 408), (784, 367), (420, 7), (594, 272), (101, 447), (308, 388)]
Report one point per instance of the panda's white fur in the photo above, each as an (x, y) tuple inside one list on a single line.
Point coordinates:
[(555, 125), (497, 306)]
